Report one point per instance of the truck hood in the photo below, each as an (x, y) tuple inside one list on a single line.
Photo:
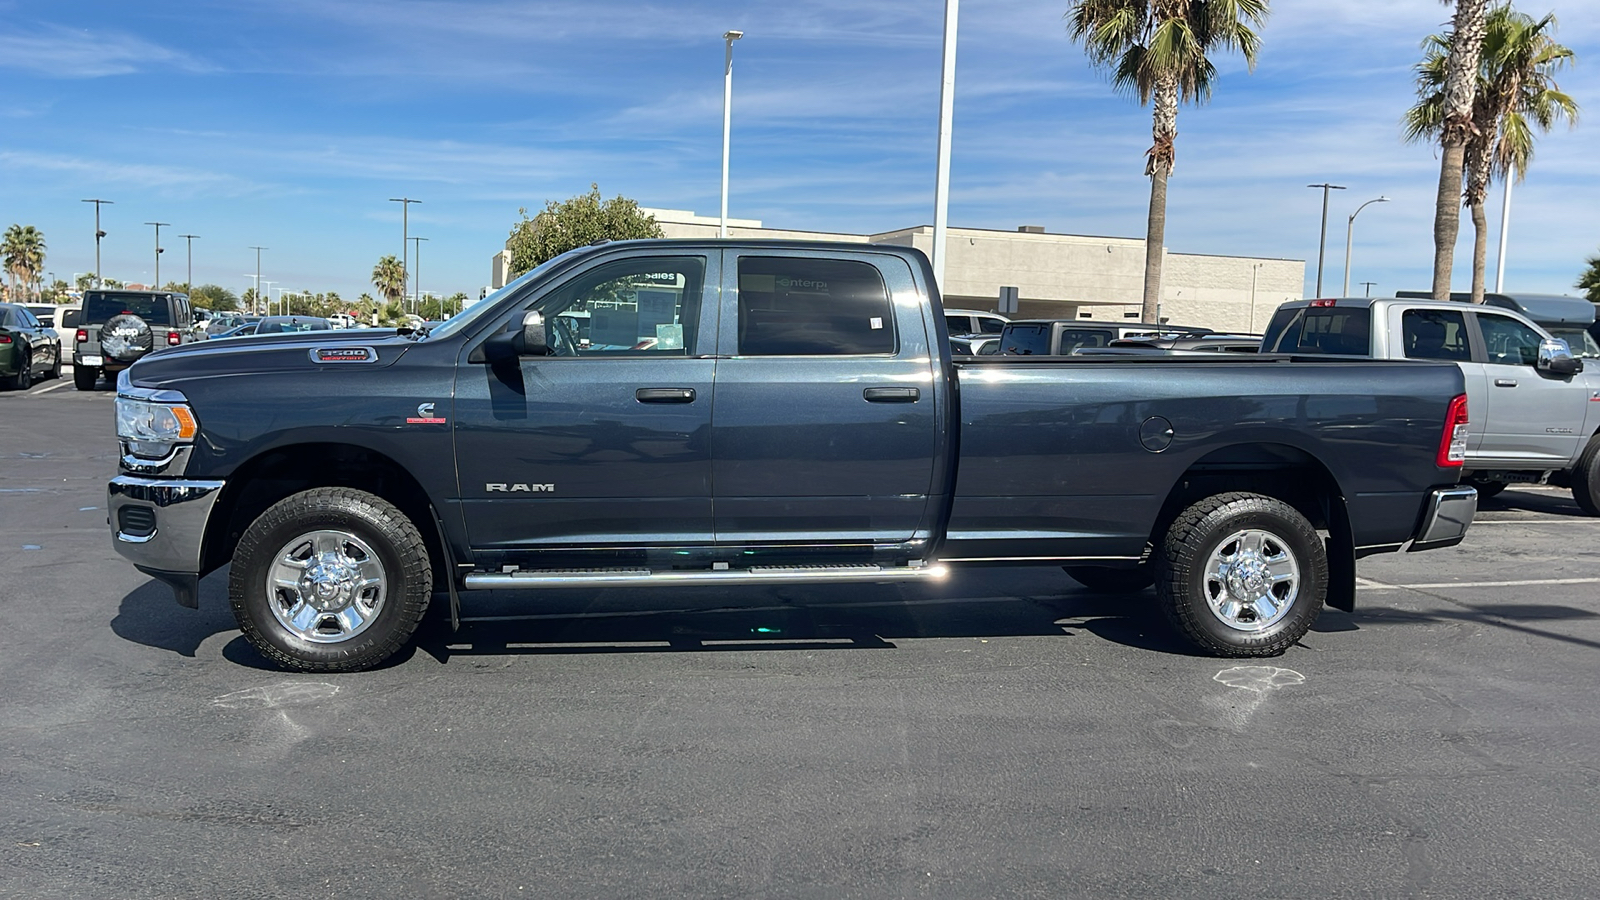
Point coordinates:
[(274, 353)]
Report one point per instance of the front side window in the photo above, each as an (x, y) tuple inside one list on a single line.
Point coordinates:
[(1581, 343), (1507, 341), (798, 306), (1435, 334), (636, 307)]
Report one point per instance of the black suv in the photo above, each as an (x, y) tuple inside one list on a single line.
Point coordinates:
[(117, 327)]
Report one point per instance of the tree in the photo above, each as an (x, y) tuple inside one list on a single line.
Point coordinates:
[(1589, 281), (1159, 51), (1455, 131), (573, 223), (24, 252), (84, 282), (1515, 95), (56, 292), (389, 277), (214, 297)]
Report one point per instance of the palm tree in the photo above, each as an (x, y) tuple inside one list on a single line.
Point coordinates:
[(389, 277), (1159, 51), (1514, 95), (1589, 281), (1456, 130), (23, 249)]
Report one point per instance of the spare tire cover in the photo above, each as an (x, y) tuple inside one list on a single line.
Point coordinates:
[(125, 337)]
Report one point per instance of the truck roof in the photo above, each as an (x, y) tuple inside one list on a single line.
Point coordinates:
[(1544, 309)]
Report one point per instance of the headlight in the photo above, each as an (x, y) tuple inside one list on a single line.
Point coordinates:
[(151, 429)]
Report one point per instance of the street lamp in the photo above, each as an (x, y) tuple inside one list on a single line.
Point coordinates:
[(159, 251), (98, 234), (1350, 228), (257, 299), (269, 283), (1322, 244), (728, 38), (188, 284), (417, 255), (1505, 223), (947, 106), (1255, 269), (405, 209)]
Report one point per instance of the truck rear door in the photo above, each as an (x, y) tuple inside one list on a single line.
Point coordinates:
[(1443, 334), (826, 424)]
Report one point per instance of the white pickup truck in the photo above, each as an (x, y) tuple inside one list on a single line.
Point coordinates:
[(1535, 412)]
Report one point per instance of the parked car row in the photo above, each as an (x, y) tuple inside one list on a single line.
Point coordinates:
[(29, 348)]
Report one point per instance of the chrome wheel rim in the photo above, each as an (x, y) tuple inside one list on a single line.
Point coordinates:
[(1251, 580), (326, 586)]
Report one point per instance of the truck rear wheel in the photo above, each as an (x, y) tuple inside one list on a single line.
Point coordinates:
[(1242, 575), (330, 580), (1585, 478), (84, 377), (1112, 581)]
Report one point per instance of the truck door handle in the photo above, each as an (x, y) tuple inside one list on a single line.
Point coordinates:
[(664, 395), (1505, 382), (892, 394)]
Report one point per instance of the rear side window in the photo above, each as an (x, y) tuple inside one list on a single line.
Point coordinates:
[(1345, 332), (795, 306), (1025, 340), (991, 326), (958, 324), (99, 307), (1073, 338), (1435, 334)]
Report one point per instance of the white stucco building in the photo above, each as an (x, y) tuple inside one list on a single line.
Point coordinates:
[(1057, 275)]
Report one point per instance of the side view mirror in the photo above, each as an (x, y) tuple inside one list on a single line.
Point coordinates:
[(532, 339), (1556, 358)]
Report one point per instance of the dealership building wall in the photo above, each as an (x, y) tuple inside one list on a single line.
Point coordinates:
[(1056, 275)]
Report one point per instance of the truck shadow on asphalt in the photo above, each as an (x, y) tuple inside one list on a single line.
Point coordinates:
[(1547, 502), (674, 620)]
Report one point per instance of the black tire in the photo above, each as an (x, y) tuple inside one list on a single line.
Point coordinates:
[(1186, 589), (55, 367), (394, 542), (1585, 478), (24, 377), (1487, 489), (1112, 581), (84, 377)]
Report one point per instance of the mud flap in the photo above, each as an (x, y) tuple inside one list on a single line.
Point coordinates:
[(185, 585), (1341, 549), (449, 569)]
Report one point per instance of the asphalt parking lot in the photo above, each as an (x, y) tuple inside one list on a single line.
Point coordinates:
[(1008, 734)]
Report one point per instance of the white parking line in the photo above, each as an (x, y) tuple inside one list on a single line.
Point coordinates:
[(1369, 584), (1551, 521), (53, 387)]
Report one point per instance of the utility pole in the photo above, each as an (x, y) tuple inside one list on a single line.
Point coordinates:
[(188, 284), (947, 105), (159, 251), (728, 38), (258, 277), (417, 255), (1368, 285), (1322, 245), (98, 234), (405, 209)]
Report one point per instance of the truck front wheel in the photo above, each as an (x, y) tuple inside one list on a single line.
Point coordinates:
[(1242, 575), (330, 580), (1585, 478)]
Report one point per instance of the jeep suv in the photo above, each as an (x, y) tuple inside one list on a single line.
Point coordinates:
[(117, 327)]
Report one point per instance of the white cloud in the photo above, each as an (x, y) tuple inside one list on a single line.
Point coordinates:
[(59, 52)]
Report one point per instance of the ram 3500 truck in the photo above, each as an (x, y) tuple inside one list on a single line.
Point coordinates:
[(722, 412)]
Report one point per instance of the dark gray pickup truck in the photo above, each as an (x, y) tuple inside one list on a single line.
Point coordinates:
[(660, 413)]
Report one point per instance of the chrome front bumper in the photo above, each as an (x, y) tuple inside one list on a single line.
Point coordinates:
[(180, 508), (1445, 518)]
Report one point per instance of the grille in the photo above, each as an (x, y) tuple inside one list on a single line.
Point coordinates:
[(136, 521)]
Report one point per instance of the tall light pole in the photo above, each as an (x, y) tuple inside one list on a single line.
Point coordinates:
[(417, 255), (1505, 223), (257, 299), (1255, 269), (269, 283), (98, 234), (405, 209), (1322, 245), (1368, 285), (947, 106), (159, 251), (188, 284), (1349, 230), (728, 37)]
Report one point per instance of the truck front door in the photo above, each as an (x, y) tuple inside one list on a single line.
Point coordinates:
[(1533, 419), (826, 423), (604, 443)]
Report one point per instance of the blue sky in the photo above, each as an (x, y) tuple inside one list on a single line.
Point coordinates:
[(289, 124)]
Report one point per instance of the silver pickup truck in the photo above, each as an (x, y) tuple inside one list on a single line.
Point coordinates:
[(1535, 412)]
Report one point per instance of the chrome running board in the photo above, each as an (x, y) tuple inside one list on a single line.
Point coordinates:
[(578, 578)]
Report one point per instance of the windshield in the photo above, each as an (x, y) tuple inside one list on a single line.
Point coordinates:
[(471, 314), (1582, 343), (101, 306), (1025, 340)]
